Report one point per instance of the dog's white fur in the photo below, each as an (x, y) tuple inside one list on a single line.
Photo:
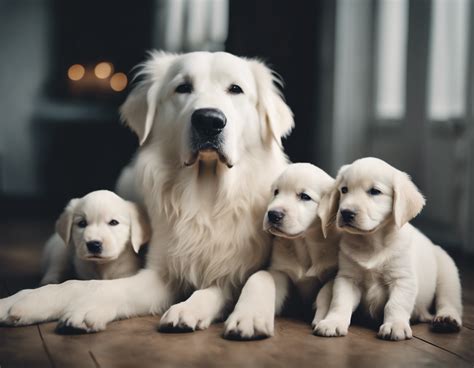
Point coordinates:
[(205, 208), (385, 264), (66, 253), (300, 255)]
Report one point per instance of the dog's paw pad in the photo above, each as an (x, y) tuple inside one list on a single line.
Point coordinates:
[(237, 335), (175, 328), (63, 328), (445, 324)]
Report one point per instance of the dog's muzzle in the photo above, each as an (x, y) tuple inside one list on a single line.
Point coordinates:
[(206, 136)]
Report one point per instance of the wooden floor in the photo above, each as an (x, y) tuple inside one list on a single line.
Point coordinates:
[(136, 343)]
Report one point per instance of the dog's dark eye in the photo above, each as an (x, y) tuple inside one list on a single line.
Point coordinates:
[(82, 224), (344, 190), (374, 191), (235, 89), (304, 197), (275, 193), (184, 88), (113, 222)]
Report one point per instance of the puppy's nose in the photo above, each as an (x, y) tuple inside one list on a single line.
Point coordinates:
[(348, 215), (94, 246), (209, 122), (275, 217)]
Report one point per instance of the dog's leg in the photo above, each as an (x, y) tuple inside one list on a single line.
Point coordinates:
[(345, 299), (56, 262), (322, 303), (197, 312), (397, 311), (254, 315), (448, 294), (88, 305)]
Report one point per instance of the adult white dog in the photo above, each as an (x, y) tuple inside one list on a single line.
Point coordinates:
[(210, 125), (385, 264)]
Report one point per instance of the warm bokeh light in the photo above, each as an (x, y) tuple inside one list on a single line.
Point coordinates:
[(76, 72), (118, 82), (103, 70)]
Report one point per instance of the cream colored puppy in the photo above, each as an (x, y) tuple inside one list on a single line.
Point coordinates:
[(300, 255), (385, 264), (97, 236)]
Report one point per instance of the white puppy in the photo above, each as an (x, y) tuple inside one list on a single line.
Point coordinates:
[(385, 264), (97, 236), (300, 256)]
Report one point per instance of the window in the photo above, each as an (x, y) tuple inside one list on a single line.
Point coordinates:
[(447, 78), (391, 49)]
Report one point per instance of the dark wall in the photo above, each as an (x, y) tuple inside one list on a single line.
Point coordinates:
[(290, 37)]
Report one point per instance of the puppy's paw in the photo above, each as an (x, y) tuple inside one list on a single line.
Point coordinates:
[(250, 324), (446, 322), (330, 328), (398, 330), (184, 317)]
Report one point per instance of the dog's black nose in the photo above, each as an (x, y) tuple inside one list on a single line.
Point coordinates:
[(209, 122), (275, 217), (94, 246), (348, 215)]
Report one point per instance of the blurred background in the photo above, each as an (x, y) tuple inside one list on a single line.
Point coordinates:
[(387, 78)]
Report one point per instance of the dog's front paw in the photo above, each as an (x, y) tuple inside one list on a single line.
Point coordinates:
[(446, 322), (250, 324), (398, 330), (86, 317), (6, 304), (22, 309), (331, 328), (184, 317)]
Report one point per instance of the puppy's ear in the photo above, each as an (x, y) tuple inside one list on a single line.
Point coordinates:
[(275, 114), (328, 208), (140, 230), (407, 199), (329, 205), (64, 222), (138, 110)]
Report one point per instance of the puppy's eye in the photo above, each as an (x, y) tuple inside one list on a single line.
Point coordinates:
[(82, 224), (344, 190), (374, 191), (113, 222), (184, 88), (235, 89), (275, 193), (304, 197)]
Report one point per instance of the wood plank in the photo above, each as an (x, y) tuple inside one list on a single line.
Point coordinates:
[(22, 347), (461, 343), (67, 350), (468, 316), (127, 342)]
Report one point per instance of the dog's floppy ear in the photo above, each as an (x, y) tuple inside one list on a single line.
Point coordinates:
[(140, 230), (329, 205), (276, 116), (64, 222), (138, 110), (407, 199)]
